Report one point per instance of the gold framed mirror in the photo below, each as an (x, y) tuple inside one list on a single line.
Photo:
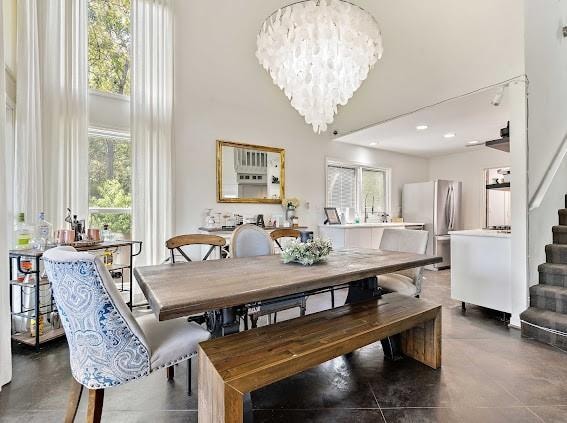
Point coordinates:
[(249, 173)]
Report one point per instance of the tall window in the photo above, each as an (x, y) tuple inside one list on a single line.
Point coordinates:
[(110, 184), (109, 46), (110, 155), (358, 188)]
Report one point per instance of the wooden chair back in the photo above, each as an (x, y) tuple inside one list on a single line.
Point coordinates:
[(284, 233), (177, 242)]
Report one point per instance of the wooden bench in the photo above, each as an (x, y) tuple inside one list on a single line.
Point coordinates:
[(236, 364)]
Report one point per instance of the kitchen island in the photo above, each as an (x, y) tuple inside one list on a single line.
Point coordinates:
[(361, 235), (481, 268)]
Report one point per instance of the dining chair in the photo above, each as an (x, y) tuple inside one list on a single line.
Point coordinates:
[(279, 234), (252, 241), (108, 346), (406, 282), (178, 242)]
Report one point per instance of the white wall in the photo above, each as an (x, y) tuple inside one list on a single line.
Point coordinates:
[(194, 156), (221, 92), (468, 168), (546, 68)]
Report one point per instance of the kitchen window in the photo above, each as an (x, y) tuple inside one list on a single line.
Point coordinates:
[(110, 182), (354, 189)]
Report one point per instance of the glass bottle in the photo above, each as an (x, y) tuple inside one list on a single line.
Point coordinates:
[(22, 233), (43, 231), (106, 234)]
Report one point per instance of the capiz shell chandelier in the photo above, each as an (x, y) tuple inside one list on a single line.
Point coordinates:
[(319, 52)]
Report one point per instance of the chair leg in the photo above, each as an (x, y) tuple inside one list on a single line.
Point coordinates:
[(245, 317), (170, 371), (275, 318), (94, 408), (332, 298), (74, 399), (189, 377), (254, 320)]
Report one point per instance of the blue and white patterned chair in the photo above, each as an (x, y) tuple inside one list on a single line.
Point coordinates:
[(107, 345)]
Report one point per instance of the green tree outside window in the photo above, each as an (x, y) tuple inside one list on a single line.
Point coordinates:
[(109, 46)]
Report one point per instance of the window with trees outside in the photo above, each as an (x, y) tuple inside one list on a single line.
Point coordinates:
[(109, 46), (110, 182), (357, 189), (110, 155)]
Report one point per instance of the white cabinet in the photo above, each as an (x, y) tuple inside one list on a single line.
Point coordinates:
[(376, 237), (363, 235), (481, 269), (358, 238)]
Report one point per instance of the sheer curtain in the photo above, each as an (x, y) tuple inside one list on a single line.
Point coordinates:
[(64, 100), (51, 107), (28, 169), (5, 351), (151, 120)]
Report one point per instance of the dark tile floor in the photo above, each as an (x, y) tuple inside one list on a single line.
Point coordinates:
[(489, 374)]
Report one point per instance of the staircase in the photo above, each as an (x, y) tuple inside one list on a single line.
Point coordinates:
[(546, 319)]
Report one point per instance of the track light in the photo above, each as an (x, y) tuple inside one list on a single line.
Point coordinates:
[(497, 99)]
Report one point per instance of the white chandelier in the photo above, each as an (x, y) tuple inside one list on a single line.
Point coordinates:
[(319, 52)]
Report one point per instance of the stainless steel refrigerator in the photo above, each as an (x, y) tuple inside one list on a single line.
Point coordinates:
[(437, 204)]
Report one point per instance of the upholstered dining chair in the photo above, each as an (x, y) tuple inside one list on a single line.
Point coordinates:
[(252, 241), (406, 282), (107, 345), (279, 234)]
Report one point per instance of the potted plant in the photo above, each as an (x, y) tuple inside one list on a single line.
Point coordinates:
[(290, 204)]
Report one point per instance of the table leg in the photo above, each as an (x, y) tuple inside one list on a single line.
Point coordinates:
[(223, 322), (366, 289)]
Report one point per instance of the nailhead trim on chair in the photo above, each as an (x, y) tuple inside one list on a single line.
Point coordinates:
[(174, 362)]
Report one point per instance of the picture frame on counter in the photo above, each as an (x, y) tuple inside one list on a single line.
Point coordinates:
[(332, 215)]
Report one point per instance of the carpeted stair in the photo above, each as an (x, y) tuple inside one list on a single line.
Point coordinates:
[(546, 319)]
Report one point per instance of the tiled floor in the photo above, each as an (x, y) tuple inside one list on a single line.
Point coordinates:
[(489, 374)]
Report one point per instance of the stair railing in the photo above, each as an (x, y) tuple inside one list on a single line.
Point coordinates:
[(549, 176)]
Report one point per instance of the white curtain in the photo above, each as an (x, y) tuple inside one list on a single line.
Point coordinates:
[(151, 121), (5, 351), (64, 100), (28, 169), (51, 107)]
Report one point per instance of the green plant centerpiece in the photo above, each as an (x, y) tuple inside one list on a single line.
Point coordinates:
[(306, 253)]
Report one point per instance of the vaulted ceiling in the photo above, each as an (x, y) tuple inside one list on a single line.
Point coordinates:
[(433, 50)]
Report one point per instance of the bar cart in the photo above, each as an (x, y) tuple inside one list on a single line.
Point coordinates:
[(33, 290)]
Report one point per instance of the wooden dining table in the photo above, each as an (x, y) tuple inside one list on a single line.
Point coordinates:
[(225, 286)]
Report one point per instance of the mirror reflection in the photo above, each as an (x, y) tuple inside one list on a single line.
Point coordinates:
[(249, 174)]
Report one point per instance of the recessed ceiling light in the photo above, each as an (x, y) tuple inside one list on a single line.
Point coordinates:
[(449, 135), (421, 127), (473, 142), (373, 144)]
